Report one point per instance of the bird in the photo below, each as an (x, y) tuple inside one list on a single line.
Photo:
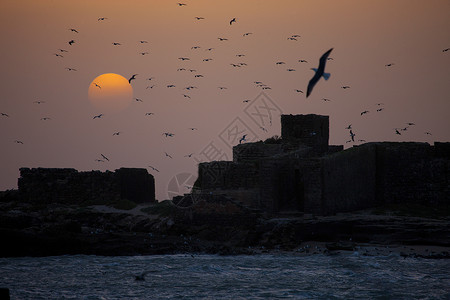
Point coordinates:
[(222, 39), (117, 133), (207, 59), (168, 155), (291, 38), (242, 139), (181, 69), (39, 102), (380, 109), (209, 49), (410, 124), (99, 160), (149, 114), (240, 55), (186, 96), (397, 132), (98, 116), (171, 86), (153, 168), (143, 53), (299, 91), (246, 101), (302, 61), (96, 85), (319, 72), (428, 133), (326, 99), (349, 127), (192, 128), (58, 55), (102, 19), (74, 30), (195, 47), (199, 18), (70, 69), (143, 42), (45, 119), (167, 134), (280, 63), (198, 75), (71, 42), (233, 20), (189, 155), (132, 78), (364, 112), (290, 70), (104, 157), (116, 44), (345, 87), (62, 50), (222, 88), (295, 35), (183, 58), (389, 65), (352, 135), (138, 100), (4, 115), (181, 4), (235, 65), (446, 49), (247, 34), (18, 142)]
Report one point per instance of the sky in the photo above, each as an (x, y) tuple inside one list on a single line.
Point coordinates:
[(389, 53)]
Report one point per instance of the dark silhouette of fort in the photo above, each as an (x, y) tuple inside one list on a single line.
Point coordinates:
[(297, 172), (301, 172)]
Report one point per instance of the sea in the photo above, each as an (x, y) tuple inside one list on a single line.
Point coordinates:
[(185, 276)]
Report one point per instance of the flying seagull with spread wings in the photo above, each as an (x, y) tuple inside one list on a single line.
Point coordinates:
[(319, 72)]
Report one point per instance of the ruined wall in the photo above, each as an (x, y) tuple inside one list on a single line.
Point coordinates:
[(255, 151), (54, 185), (412, 173), (349, 180), (310, 130)]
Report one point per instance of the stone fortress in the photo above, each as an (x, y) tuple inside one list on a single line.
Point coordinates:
[(298, 172), (301, 172)]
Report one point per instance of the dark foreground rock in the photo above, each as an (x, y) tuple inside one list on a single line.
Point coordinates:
[(220, 228)]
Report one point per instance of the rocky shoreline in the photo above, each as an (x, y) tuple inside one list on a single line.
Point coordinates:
[(212, 228)]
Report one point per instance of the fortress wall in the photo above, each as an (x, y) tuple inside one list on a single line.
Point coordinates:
[(228, 175), (349, 180), (50, 185), (411, 173), (255, 151), (311, 180)]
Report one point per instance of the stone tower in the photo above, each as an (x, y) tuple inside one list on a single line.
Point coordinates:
[(309, 130)]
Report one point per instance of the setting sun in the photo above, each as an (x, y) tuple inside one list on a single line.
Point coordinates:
[(110, 92)]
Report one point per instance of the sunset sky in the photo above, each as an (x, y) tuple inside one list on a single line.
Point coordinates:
[(389, 52)]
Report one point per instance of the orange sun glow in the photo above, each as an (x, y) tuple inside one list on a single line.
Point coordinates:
[(110, 92)]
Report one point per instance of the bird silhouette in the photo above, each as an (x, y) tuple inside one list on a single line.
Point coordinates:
[(168, 155), (446, 49), (138, 100), (143, 53), (153, 168), (58, 55), (181, 4), (299, 91), (117, 133), (45, 119), (104, 157), (233, 20), (352, 135), (39, 102), (189, 155), (132, 78), (247, 34), (199, 18), (4, 115), (397, 132), (183, 58), (280, 63), (207, 59), (345, 87), (18, 142), (149, 114), (96, 85), (319, 72), (102, 19), (116, 44), (291, 38), (98, 116), (74, 30), (143, 42), (168, 134), (389, 65), (364, 112), (302, 61), (349, 127), (71, 42), (71, 69), (222, 39), (242, 139), (62, 50)]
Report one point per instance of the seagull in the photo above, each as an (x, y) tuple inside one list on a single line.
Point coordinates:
[(232, 20), (445, 50), (222, 39), (4, 115), (153, 168), (101, 19), (189, 155), (149, 114), (168, 155), (326, 99), (319, 72), (150, 87), (70, 69), (389, 65), (138, 100), (99, 160), (199, 18), (291, 38), (295, 35), (199, 75), (290, 70), (59, 55), (246, 101), (352, 135), (74, 30), (183, 58), (209, 49), (96, 85), (240, 55), (195, 47), (62, 50), (117, 133), (397, 132), (132, 78), (104, 157), (39, 102), (71, 42), (242, 139), (181, 4), (170, 85), (116, 44), (302, 61), (143, 42), (222, 88), (18, 142), (345, 87), (380, 109), (428, 133), (167, 134), (364, 112), (45, 119), (207, 59), (186, 96), (98, 116), (349, 127), (143, 53), (181, 69), (299, 91), (247, 34), (192, 128), (280, 63), (411, 124)]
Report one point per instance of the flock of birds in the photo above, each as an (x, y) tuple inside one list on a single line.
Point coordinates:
[(319, 73)]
